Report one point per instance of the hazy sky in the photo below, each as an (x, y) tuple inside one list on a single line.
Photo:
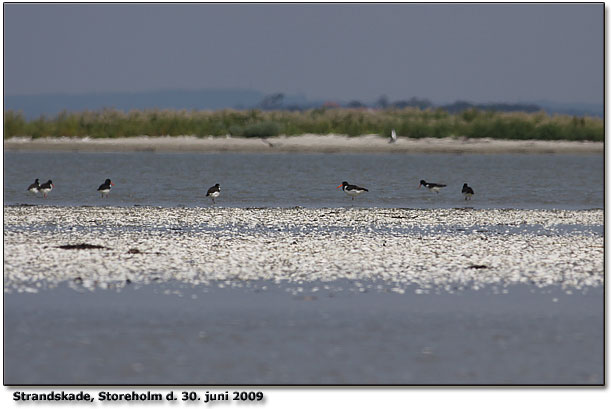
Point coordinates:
[(444, 52)]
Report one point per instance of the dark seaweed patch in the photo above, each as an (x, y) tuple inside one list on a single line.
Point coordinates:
[(82, 246)]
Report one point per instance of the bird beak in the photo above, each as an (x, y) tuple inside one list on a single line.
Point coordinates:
[(339, 186), (52, 185), (112, 184)]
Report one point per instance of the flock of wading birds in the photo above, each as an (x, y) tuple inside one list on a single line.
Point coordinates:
[(215, 191), (354, 190)]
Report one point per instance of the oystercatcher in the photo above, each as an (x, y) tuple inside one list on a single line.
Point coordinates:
[(104, 188), (433, 187), (46, 188), (467, 192), (214, 191), (33, 188), (352, 190)]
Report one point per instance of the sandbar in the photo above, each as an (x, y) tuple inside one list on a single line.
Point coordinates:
[(429, 249), (308, 143)]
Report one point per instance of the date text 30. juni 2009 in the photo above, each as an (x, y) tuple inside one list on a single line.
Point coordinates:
[(106, 396)]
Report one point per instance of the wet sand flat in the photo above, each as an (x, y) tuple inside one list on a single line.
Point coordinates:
[(152, 295), (303, 143), (432, 248)]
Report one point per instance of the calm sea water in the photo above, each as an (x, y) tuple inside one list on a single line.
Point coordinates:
[(236, 336), (242, 336), (308, 180)]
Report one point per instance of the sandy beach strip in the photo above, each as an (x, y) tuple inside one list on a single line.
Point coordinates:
[(390, 249), (303, 143)]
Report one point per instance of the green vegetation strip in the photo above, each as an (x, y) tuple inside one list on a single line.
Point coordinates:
[(409, 122)]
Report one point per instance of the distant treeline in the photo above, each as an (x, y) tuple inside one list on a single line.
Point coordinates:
[(409, 122), (453, 108)]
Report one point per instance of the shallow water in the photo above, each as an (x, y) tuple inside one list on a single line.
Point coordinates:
[(309, 180), (262, 332), (181, 334)]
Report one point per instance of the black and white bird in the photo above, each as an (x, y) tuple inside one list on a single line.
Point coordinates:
[(433, 187), (45, 188), (104, 188), (34, 187), (393, 137), (467, 191), (214, 192), (352, 190)]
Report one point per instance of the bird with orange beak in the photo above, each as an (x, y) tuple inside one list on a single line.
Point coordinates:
[(352, 190)]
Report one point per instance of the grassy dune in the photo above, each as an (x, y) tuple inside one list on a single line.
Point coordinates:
[(409, 122)]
